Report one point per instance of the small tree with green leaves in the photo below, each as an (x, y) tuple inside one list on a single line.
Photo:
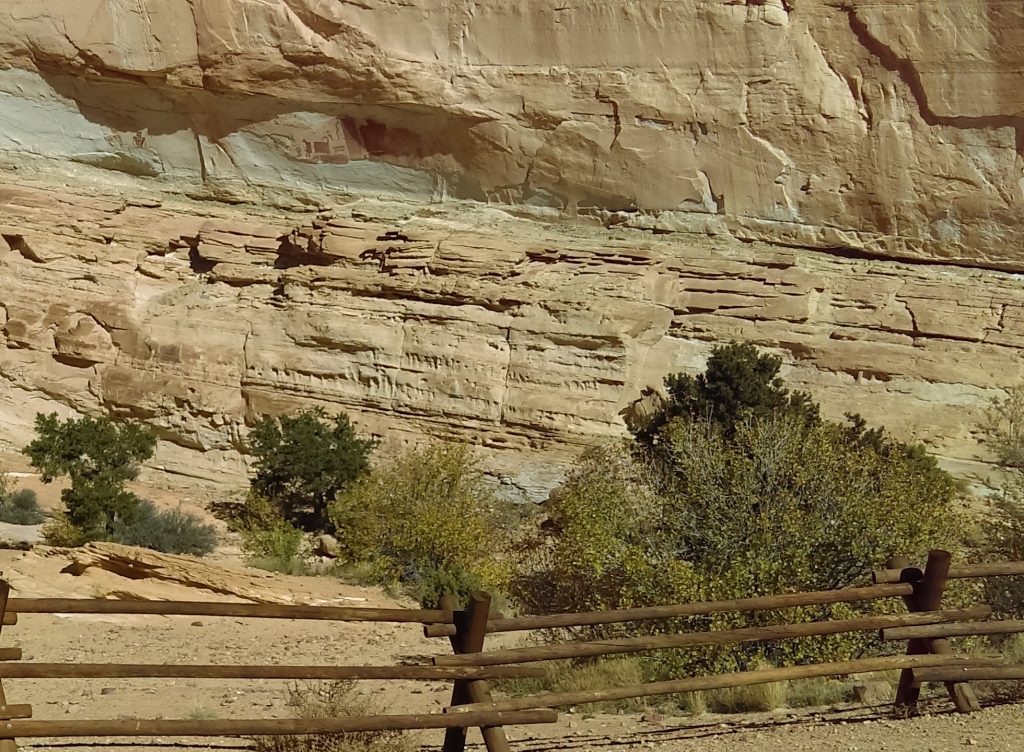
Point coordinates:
[(737, 487), (739, 382), (304, 461), (99, 456)]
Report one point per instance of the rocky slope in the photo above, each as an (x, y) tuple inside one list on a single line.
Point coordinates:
[(560, 203)]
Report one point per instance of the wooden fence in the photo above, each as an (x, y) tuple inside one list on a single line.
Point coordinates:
[(14, 723), (926, 627)]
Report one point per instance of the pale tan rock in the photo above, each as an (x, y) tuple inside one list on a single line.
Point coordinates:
[(591, 195), (527, 338), (884, 126), (112, 571)]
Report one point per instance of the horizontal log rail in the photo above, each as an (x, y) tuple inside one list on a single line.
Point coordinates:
[(161, 671), (955, 629), (239, 610), (15, 711), (10, 654), (968, 673), (707, 608), (961, 572), (718, 637), (723, 681), (270, 727)]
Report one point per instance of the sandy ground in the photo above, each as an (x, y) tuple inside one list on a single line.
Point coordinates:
[(82, 639)]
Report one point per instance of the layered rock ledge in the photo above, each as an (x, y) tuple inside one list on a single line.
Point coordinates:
[(529, 338)]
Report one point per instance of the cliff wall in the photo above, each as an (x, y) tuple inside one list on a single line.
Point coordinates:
[(504, 219)]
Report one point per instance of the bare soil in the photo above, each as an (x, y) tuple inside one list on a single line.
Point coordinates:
[(86, 639)]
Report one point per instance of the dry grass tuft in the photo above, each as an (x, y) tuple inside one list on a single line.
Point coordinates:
[(333, 700)]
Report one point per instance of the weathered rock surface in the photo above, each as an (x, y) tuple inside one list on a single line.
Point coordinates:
[(892, 126), (109, 570), (840, 181), (528, 338)]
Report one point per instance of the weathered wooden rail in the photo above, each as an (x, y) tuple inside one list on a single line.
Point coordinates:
[(926, 627), (14, 721)]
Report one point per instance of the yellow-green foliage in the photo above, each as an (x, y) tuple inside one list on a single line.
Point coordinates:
[(268, 539), (1003, 525), (602, 553), (779, 506), (60, 532), (423, 515)]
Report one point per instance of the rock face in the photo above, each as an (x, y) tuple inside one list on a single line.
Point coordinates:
[(891, 126), (529, 338), (504, 220)]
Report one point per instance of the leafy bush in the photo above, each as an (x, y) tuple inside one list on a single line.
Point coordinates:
[(1003, 524), (718, 509), (427, 584), (338, 699), (739, 383), (99, 456), (303, 461), (596, 551), (58, 531), (21, 508), (268, 540), (427, 518), (171, 531)]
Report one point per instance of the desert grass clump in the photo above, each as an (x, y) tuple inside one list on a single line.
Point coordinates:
[(817, 692), (269, 541), (752, 698), (694, 704), (337, 699), (569, 676), (20, 508), (171, 531)]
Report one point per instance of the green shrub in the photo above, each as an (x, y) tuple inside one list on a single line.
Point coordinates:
[(738, 384), (427, 584), (716, 510), (21, 508), (268, 540), (304, 461), (171, 531), (427, 518), (1003, 524), (60, 532), (99, 456)]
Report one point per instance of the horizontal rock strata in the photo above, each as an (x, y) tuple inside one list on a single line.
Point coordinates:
[(458, 321)]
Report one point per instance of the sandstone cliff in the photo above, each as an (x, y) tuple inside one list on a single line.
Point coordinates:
[(562, 202)]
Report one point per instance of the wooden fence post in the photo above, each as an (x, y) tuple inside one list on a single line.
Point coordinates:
[(929, 587), (471, 629), (6, 744)]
